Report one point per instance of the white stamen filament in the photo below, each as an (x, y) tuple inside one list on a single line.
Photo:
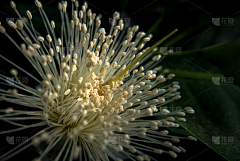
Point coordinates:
[(97, 89)]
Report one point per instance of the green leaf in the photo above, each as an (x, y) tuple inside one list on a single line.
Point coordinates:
[(216, 120), (225, 56), (179, 130)]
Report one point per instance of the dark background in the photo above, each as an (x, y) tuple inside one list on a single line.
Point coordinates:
[(191, 17)]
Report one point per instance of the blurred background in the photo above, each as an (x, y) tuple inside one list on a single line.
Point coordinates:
[(209, 77)]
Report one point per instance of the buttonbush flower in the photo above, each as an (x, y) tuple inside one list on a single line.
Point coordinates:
[(96, 91)]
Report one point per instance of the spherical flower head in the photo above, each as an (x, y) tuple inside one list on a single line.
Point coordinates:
[(94, 95)]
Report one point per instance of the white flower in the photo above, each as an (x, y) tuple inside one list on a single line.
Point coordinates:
[(95, 94)]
